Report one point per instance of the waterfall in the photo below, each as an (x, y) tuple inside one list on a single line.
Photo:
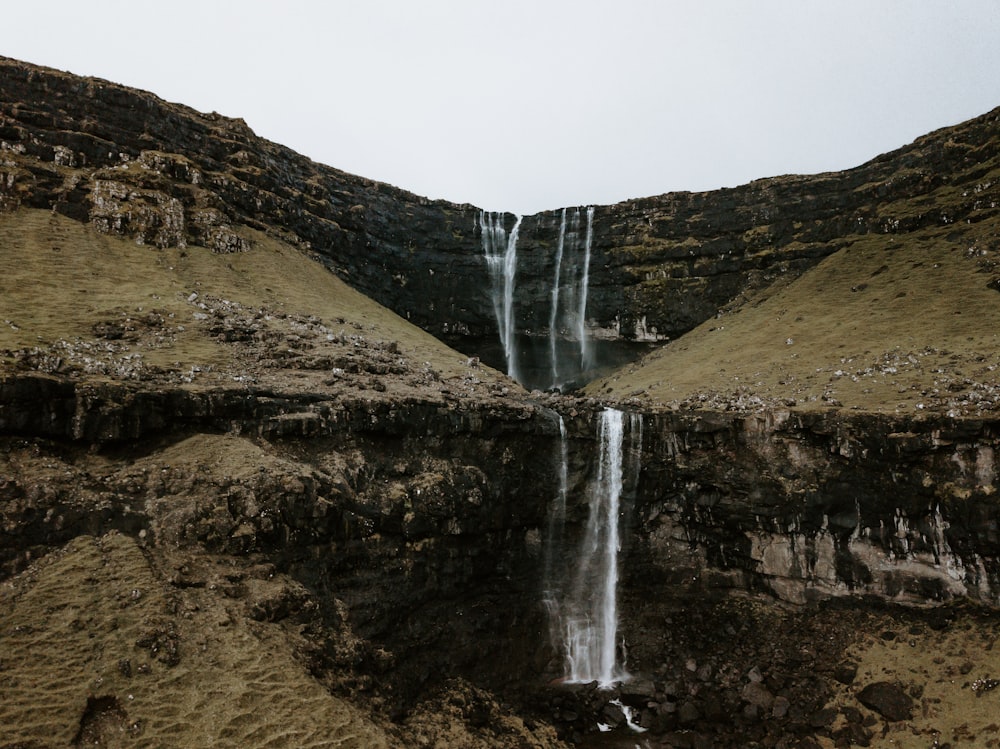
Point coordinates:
[(501, 260), (582, 314), (554, 315), (590, 615), (568, 298), (553, 572)]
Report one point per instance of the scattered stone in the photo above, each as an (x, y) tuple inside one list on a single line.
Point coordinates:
[(846, 672), (888, 699), (671, 690), (853, 715), (612, 715), (854, 734), (638, 691), (758, 695), (984, 685), (780, 707), (823, 718), (688, 713)]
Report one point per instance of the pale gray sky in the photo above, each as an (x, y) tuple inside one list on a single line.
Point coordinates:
[(526, 105)]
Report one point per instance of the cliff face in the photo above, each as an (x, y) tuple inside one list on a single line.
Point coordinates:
[(811, 505), (166, 176), (389, 539), (395, 515)]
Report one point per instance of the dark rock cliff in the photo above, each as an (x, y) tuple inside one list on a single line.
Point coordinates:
[(421, 529), (162, 174), (416, 524), (812, 505), (166, 175)]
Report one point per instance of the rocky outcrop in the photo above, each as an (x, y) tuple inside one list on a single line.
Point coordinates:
[(386, 511), (807, 506), (164, 174), (410, 532)]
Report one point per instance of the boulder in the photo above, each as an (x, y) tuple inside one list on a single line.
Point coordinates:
[(888, 699)]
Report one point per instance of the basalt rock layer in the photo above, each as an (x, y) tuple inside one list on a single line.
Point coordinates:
[(812, 505), (379, 531)]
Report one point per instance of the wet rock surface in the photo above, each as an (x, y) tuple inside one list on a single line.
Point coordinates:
[(815, 505)]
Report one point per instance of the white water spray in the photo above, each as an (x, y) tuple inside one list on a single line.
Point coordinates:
[(554, 315), (582, 314), (500, 251), (568, 297), (553, 571), (590, 629)]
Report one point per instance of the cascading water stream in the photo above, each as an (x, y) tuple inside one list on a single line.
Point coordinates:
[(584, 283), (553, 572), (500, 251), (589, 615), (554, 315), (568, 298)]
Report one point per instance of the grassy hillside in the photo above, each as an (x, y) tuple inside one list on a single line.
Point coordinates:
[(77, 302), (884, 324), (116, 664)]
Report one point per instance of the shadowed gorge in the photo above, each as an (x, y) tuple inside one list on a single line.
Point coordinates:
[(265, 480)]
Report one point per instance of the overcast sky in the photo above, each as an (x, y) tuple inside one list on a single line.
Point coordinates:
[(526, 105)]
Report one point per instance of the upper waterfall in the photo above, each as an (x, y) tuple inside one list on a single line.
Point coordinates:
[(581, 315), (568, 298), (500, 251), (520, 289)]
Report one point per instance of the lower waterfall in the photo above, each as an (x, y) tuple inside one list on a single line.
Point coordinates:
[(588, 614)]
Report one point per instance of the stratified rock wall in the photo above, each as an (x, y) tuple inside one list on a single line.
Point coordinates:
[(166, 175), (417, 523), (663, 264), (811, 505)]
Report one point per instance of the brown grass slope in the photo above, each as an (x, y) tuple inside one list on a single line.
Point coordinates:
[(153, 641), (77, 303), (886, 323), (98, 651), (901, 312)]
